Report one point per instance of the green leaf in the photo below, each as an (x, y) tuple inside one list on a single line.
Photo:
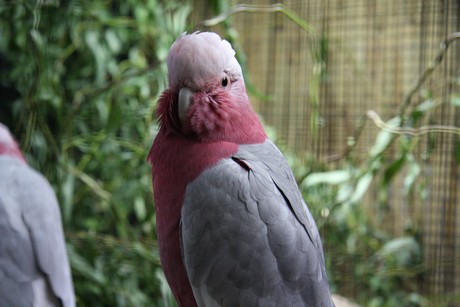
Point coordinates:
[(115, 116), (393, 169), (67, 192), (333, 177), (455, 100), (361, 188), (113, 41), (80, 265), (345, 191), (427, 105), (37, 38), (92, 38), (139, 207), (402, 251), (412, 173), (384, 138)]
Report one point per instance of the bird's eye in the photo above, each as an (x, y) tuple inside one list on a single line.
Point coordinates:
[(224, 82)]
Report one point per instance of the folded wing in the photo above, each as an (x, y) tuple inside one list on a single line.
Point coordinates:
[(248, 238)]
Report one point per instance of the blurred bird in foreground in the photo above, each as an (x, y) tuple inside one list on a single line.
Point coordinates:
[(34, 268)]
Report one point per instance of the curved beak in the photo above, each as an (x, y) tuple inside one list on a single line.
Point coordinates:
[(185, 100)]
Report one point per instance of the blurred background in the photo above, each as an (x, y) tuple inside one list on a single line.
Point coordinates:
[(363, 97)]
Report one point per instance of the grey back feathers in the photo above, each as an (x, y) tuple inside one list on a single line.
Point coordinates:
[(34, 268), (248, 238)]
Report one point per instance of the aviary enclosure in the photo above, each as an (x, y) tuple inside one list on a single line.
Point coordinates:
[(362, 96), (367, 96)]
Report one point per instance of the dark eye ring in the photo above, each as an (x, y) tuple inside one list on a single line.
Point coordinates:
[(224, 82)]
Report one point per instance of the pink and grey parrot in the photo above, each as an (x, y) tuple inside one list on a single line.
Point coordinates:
[(233, 229), (34, 268)]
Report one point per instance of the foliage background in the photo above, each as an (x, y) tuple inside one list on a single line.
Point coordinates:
[(79, 82)]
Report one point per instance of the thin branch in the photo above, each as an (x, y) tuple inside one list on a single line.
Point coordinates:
[(278, 7), (354, 139), (406, 103), (410, 131), (428, 71)]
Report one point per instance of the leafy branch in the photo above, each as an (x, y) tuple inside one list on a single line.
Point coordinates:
[(393, 265), (428, 71), (406, 103)]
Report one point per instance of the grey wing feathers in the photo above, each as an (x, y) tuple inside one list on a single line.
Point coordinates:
[(278, 168), (33, 259), (242, 241)]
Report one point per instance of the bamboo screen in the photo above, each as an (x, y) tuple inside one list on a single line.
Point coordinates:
[(365, 55)]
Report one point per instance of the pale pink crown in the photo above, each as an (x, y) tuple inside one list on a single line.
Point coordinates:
[(196, 58)]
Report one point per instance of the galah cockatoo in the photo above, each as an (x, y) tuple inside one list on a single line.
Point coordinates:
[(34, 268), (232, 227)]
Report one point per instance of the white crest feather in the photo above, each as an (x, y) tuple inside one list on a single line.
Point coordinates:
[(196, 58)]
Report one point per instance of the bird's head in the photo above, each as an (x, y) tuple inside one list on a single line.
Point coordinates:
[(8, 146), (206, 98)]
